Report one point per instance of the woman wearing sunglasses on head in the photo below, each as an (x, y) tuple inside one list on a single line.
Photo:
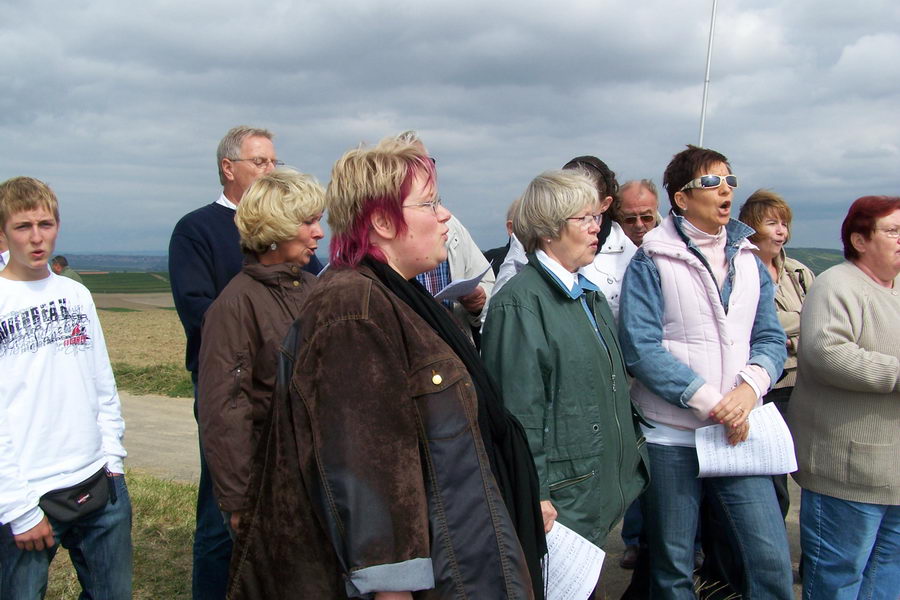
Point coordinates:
[(700, 334)]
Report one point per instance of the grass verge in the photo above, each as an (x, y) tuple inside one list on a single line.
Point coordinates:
[(162, 536), (166, 380)]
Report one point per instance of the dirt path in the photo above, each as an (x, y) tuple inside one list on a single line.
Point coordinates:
[(161, 436)]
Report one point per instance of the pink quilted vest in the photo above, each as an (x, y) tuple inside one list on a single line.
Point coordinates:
[(696, 329)]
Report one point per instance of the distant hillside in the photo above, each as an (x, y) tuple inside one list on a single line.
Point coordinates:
[(118, 262), (126, 283), (817, 259)]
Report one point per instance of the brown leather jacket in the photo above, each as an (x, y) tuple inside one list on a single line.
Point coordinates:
[(241, 334), (371, 474)]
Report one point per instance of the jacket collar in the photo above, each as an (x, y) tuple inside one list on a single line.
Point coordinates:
[(669, 237), (735, 231), (581, 286), (280, 275), (616, 241)]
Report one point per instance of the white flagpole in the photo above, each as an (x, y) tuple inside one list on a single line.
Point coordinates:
[(712, 28)]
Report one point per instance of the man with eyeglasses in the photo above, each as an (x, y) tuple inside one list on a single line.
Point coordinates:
[(204, 254), (637, 209)]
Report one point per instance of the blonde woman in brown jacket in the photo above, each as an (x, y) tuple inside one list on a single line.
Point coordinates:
[(278, 221)]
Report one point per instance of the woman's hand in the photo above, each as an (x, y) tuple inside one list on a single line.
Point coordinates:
[(736, 435), (393, 595), (549, 515), (735, 406)]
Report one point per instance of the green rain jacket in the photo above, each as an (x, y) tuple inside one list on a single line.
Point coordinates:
[(570, 392)]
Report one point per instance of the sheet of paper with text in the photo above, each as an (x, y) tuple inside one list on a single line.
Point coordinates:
[(768, 450), (572, 565)]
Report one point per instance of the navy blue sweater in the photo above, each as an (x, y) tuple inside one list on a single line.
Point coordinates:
[(204, 254)]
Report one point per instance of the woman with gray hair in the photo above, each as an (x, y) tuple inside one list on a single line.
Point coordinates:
[(549, 340), (278, 221)]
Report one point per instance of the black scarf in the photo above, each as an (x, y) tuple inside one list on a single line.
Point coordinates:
[(503, 436)]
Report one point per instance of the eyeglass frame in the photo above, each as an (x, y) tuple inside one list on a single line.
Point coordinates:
[(696, 183), (432, 204), (586, 224), (260, 165), (633, 219), (892, 233)]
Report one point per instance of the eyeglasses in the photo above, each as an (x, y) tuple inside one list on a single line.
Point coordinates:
[(645, 219), (710, 181), (433, 205), (260, 162), (892, 233), (586, 220)]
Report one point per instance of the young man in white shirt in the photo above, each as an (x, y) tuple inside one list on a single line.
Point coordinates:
[(61, 425)]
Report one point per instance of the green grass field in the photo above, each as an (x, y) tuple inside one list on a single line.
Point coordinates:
[(167, 380), (817, 259), (127, 283)]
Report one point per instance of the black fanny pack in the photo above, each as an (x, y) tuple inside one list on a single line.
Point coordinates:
[(68, 504)]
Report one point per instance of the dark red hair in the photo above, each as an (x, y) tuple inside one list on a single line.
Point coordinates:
[(349, 248), (861, 219)]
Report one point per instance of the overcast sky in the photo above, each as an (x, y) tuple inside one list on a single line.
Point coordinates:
[(119, 106)]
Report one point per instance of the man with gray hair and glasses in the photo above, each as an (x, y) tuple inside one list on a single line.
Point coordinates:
[(637, 209), (204, 254)]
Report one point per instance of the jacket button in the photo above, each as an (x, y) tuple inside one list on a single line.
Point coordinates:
[(296, 283), (436, 378), (595, 427), (293, 269)]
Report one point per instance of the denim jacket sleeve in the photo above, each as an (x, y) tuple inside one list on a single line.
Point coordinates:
[(768, 342), (640, 335)]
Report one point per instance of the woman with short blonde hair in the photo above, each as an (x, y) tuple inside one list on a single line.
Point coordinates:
[(275, 206), (278, 221)]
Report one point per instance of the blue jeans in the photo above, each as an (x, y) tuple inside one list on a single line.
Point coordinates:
[(99, 546), (633, 526), (212, 543), (850, 549), (748, 504)]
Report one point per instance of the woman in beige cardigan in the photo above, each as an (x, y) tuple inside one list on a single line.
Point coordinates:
[(845, 413)]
